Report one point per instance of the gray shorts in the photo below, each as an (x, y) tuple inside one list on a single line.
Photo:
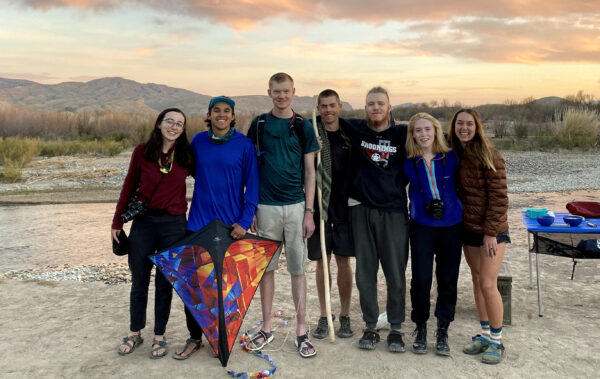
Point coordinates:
[(284, 223)]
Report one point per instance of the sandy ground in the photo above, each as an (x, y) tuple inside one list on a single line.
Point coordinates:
[(72, 329)]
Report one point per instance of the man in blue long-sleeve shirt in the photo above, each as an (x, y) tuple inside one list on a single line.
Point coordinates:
[(225, 165)]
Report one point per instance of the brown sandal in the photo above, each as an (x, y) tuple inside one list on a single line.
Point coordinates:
[(180, 357)]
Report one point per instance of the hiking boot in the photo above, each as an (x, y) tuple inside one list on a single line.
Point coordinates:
[(493, 355), (420, 344), (369, 339), (441, 344), (479, 344), (395, 343), (344, 331), (322, 330)]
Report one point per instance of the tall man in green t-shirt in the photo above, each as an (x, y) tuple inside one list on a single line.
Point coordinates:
[(285, 210)]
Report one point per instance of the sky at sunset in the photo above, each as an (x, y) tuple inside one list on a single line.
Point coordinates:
[(470, 51)]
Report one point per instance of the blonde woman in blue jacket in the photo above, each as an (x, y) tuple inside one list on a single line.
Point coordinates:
[(435, 227)]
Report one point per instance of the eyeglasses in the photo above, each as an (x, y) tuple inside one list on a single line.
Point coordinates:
[(172, 124)]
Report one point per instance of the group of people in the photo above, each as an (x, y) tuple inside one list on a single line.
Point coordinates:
[(265, 183)]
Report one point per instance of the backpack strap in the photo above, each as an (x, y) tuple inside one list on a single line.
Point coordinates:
[(299, 130), (260, 132)]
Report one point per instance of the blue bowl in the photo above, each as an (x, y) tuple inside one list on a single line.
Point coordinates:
[(573, 220), (545, 220)]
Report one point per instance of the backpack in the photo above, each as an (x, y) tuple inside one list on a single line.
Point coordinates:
[(297, 127)]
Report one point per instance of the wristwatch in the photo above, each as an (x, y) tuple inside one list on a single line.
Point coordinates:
[(311, 210)]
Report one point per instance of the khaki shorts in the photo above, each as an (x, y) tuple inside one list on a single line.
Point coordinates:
[(284, 223)]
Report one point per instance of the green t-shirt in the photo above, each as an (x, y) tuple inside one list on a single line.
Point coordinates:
[(282, 168)]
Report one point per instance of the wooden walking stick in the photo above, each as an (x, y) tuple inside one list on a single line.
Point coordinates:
[(322, 232)]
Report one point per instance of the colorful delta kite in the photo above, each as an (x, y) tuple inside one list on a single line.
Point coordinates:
[(209, 260)]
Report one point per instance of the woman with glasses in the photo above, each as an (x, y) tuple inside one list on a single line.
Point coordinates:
[(485, 202), (155, 183)]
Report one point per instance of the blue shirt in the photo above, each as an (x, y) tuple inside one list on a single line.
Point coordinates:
[(222, 173), (435, 184), (282, 169)]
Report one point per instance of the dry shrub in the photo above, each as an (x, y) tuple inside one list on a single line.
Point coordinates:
[(16, 153), (577, 127)]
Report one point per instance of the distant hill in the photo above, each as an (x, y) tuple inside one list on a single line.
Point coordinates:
[(118, 94), (549, 100)]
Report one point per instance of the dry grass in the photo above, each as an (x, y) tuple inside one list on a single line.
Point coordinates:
[(578, 127)]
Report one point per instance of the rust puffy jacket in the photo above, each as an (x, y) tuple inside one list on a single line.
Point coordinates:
[(484, 195)]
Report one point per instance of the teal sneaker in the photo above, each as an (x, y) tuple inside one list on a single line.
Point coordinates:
[(479, 344), (493, 355)]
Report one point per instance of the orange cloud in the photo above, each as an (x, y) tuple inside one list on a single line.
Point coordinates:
[(249, 13)]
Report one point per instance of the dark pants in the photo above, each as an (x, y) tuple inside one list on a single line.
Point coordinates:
[(150, 234), (380, 236), (446, 244), (193, 327)]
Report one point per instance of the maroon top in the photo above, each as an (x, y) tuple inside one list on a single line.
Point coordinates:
[(145, 175)]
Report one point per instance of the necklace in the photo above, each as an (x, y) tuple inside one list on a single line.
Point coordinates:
[(167, 167)]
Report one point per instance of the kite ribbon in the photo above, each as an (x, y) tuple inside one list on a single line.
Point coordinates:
[(247, 336)]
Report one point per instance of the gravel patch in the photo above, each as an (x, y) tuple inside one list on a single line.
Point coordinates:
[(110, 273), (550, 172)]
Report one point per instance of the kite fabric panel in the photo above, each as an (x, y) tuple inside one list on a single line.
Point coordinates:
[(201, 265)]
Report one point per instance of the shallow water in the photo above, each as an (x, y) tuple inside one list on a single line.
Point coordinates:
[(37, 236)]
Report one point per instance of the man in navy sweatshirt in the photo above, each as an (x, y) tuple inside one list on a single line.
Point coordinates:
[(379, 215), (225, 165)]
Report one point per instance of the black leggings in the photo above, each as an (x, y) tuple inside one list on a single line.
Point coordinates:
[(150, 234)]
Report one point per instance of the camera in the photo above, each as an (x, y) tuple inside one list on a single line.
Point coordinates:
[(134, 208), (435, 208)]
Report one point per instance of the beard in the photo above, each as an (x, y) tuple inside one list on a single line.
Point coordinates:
[(378, 123)]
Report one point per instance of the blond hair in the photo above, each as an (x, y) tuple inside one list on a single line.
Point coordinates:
[(280, 77), (439, 144)]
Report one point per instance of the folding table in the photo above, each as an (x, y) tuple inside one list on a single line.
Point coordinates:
[(546, 245)]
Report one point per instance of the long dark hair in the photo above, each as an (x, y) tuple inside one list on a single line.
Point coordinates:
[(479, 146), (183, 151)]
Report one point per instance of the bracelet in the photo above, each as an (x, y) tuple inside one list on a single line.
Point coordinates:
[(311, 210)]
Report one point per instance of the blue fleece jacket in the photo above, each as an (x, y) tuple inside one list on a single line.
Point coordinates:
[(443, 184)]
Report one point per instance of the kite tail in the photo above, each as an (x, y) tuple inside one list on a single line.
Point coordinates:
[(247, 336)]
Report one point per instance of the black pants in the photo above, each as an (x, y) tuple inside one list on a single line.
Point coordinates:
[(380, 236), (193, 327), (445, 243), (150, 234)]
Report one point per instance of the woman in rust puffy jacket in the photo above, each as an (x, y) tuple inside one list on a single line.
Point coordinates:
[(484, 196)]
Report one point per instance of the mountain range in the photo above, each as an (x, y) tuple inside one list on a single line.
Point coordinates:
[(124, 95)]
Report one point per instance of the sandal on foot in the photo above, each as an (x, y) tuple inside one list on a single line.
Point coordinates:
[(197, 345), (264, 337), (162, 345), (303, 344), (131, 342)]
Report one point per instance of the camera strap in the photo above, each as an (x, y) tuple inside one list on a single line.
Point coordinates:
[(443, 175)]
